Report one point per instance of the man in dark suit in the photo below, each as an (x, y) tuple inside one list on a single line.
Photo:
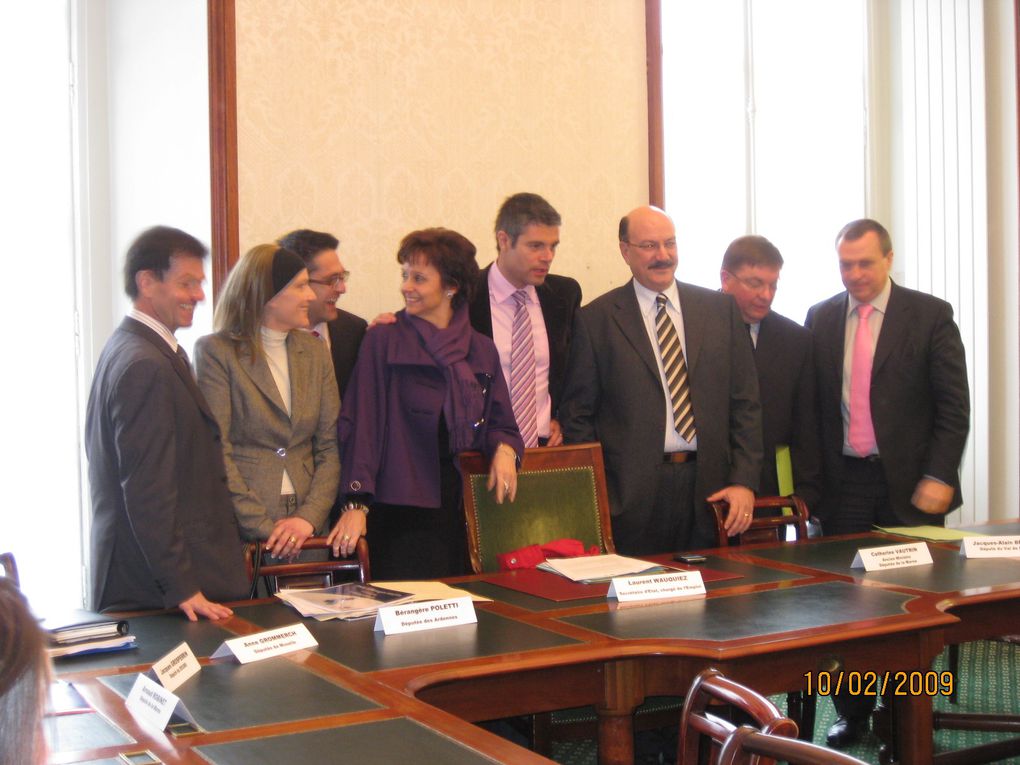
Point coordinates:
[(527, 234), (163, 527), (341, 331), (894, 406), (782, 356), (661, 373)]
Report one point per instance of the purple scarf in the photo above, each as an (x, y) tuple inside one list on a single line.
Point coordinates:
[(464, 405)]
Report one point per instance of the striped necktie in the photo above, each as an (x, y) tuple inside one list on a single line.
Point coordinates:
[(522, 372), (675, 366)]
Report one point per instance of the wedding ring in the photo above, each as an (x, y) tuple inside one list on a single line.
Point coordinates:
[(346, 537), (293, 539), (506, 486), (747, 515)]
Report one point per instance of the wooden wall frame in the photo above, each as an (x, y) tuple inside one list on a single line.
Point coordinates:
[(653, 61), (223, 138)]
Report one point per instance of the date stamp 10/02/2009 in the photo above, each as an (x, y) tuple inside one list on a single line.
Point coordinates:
[(914, 683)]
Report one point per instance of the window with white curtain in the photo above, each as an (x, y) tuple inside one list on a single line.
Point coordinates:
[(41, 475), (764, 122), (789, 118)]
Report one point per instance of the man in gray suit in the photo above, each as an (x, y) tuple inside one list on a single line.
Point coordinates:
[(163, 528), (661, 373)]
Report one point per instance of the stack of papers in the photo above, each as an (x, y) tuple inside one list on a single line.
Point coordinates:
[(76, 632), (342, 601), (598, 568)]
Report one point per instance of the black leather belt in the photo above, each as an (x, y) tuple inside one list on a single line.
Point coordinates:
[(869, 458), (680, 457)]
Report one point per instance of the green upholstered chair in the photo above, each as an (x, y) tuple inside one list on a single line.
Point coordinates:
[(561, 494)]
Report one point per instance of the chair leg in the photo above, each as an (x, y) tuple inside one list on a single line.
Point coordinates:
[(953, 661), (801, 709), (541, 733)]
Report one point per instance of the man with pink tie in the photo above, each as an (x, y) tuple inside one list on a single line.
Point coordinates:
[(894, 407)]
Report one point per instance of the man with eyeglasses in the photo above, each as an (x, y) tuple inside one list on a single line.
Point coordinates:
[(661, 373), (782, 356), (341, 331)]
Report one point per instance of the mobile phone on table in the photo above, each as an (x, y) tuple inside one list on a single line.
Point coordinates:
[(689, 557)]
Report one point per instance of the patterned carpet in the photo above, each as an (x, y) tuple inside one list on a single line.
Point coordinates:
[(989, 681)]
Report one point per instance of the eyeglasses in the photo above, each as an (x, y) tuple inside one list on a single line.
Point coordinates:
[(756, 285), (669, 245), (340, 278)]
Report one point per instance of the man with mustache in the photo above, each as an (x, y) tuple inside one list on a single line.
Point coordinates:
[(661, 373)]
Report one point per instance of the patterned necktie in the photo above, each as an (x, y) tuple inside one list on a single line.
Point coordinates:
[(183, 356), (861, 434), (676, 371), (522, 372)]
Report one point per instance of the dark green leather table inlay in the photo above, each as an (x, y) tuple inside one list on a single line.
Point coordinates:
[(85, 730), (228, 695), (356, 645), (949, 572), (157, 635), (748, 573), (386, 741), (751, 615)]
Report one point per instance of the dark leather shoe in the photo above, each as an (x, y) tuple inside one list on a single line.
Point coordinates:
[(846, 731)]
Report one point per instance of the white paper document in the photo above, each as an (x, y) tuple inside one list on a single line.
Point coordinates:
[(597, 568)]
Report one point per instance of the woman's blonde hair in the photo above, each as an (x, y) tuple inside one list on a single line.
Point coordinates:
[(243, 299)]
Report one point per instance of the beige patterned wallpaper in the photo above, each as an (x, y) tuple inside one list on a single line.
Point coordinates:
[(370, 118)]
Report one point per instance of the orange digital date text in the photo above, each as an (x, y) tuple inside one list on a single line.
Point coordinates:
[(913, 683)]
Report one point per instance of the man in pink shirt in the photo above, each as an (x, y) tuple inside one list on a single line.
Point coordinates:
[(529, 313)]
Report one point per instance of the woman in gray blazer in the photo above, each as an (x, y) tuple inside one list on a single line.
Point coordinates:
[(271, 387)]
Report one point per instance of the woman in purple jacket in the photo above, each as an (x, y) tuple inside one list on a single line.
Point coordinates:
[(424, 389)]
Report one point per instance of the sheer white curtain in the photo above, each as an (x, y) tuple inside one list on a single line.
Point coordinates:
[(765, 115), (39, 455)]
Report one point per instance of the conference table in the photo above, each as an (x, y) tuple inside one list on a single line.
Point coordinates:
[(778, 617)]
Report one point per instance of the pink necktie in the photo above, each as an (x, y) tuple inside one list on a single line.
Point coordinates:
[(522, 372), (862, 433)]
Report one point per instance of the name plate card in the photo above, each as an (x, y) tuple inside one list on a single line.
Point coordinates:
[(990, 547), (177, 666), (265, 645), (893, 556), (155, 705), (414, 617), (655, 586)]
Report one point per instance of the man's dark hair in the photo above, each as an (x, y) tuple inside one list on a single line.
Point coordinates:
[(308, 243), (624, 228), (450, 253), (522, 210), (152, 251), (855, 229), (751, 250)]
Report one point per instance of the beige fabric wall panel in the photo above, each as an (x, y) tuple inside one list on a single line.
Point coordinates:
[(370, 118)]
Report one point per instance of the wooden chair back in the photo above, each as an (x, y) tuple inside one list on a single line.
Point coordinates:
[(561, 494), (702, 733), (765, 527), (305, 574), (747, 746)]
